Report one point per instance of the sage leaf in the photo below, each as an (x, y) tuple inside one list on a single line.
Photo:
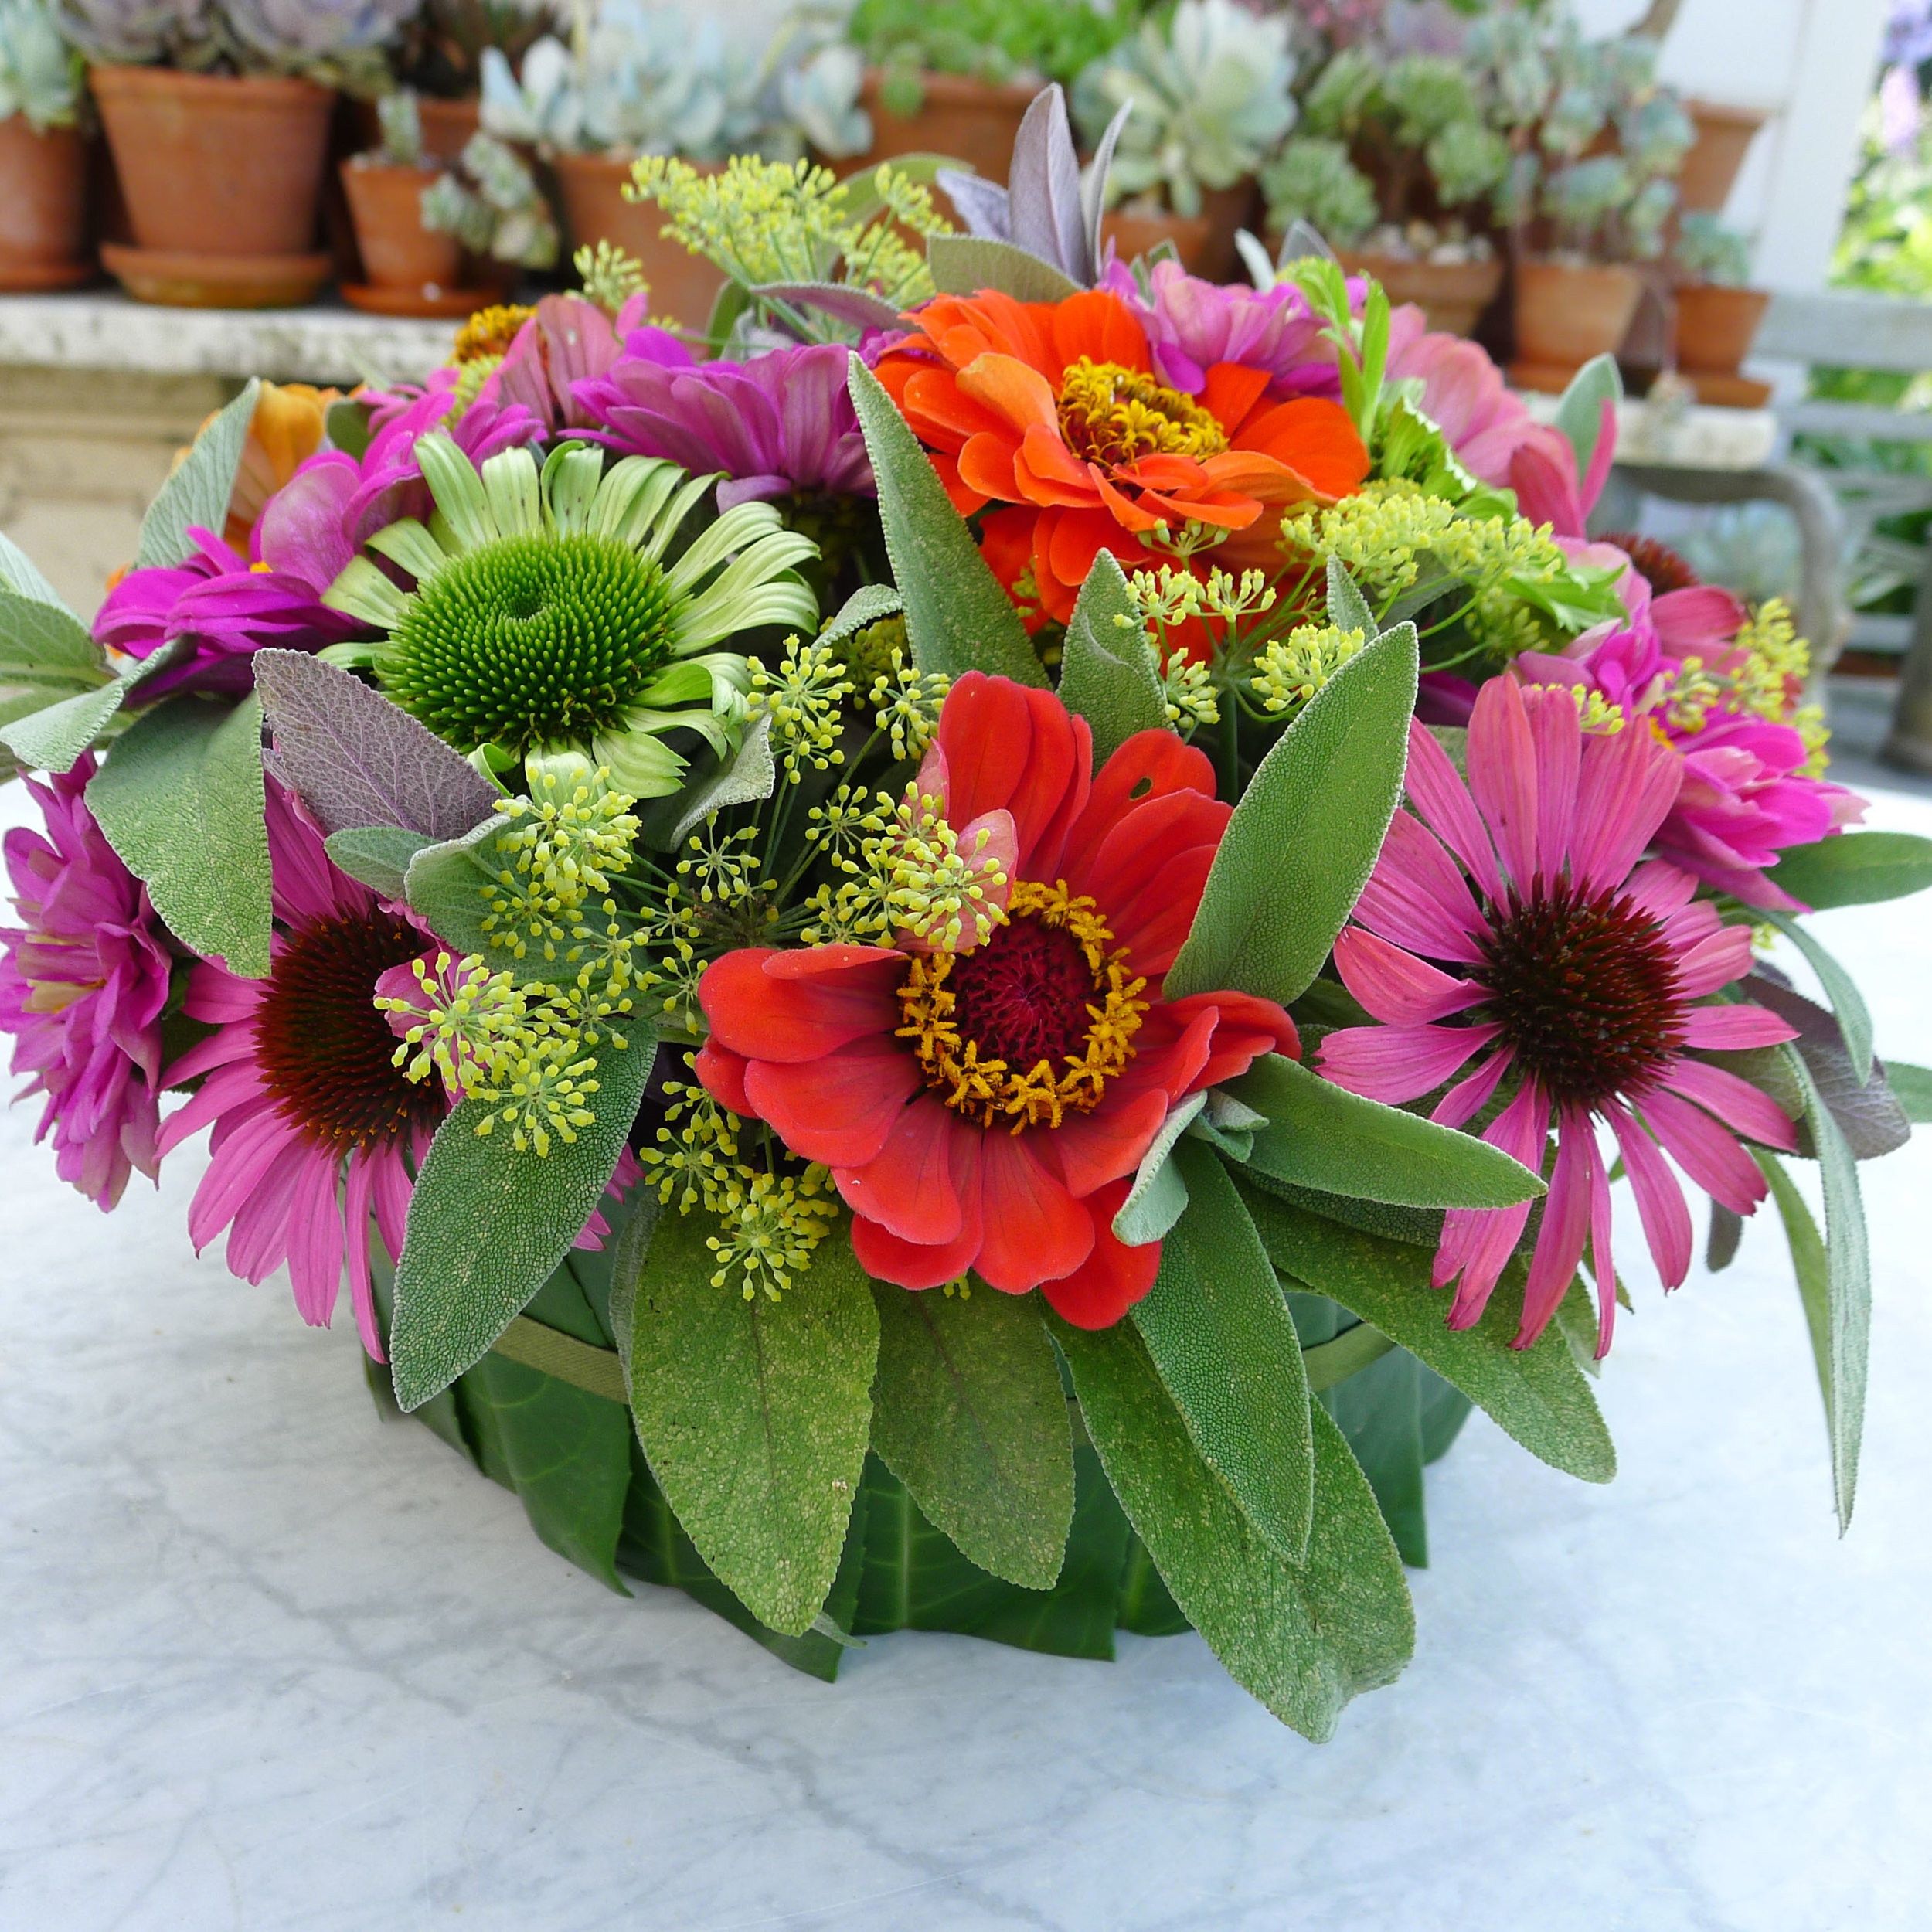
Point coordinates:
[(1107, 667), (1305, 836), (1855, 869), (1912, 1087), (1319, 1135), (968, 1414), (181, 800), (957, 617), (1303, 1639), (356, 758), (1348, 608), (1579, 415), (378, 855), (1538, 1395), (753, 1415), (1854, 1018), (867, 605), (1156, 1201), (1224, 1347), (197, 493), (964, 264), (42, 643), (486, 1223)]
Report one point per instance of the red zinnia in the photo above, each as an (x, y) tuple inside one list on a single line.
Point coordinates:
[(1054, 409), (986, 1109)]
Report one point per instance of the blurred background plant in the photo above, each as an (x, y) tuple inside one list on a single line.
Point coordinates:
[(41, 76), (1709, 252), (490, 202), (1209, 92), (442, 49), (336, 42)]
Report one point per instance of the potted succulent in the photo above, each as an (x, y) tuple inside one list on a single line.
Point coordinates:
[(957, 79), (490, 204), (43, 157), (1209, 95), (1717, 315), (217, 115), (1405, 139), (441, 59), (1596, 143)]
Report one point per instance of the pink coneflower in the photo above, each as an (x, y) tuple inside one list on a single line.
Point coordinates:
[(1575, 973), (83, 984), (315, 1126)]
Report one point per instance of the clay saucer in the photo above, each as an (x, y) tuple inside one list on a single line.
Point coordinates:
[(33, 278), (429, 301), (182, 279)]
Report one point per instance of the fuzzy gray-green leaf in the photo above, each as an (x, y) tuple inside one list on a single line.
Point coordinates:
[(1855, 869), (957, 617), (753, 1415), (1303, 1639), (1224, 1344), (488, 1223), (1320, 1135), (1305, 836), (964, 264), (199, 491), (1537, 1394), (180, 798), (1107, 668), (968, 1414)]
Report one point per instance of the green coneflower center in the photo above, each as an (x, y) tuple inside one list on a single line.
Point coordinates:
[(1586, 991), (531, 640), (1111, 415), (324, 1051)]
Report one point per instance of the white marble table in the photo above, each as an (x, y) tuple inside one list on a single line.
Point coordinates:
[(268, 1664)]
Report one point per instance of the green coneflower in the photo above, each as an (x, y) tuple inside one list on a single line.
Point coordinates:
[(544, 617)]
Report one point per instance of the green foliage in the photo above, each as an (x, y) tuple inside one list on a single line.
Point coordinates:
[(957, 617), (1537, 1394), (1305, 836), (1855, 869), (378, 855), (1913, 1087), (181, 800), (1320, 1135), (993, 40), (1711, 253), (1304, 1640), (968, 1414), (1580, 414), (1220, 1338), (1313, 180), (964, 264), (754, 1415), (1854, 1018), (487, 1224), (1379, 1412), (198, 492), (1107, 672)]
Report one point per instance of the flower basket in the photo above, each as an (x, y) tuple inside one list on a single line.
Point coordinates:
[(883, 1040)]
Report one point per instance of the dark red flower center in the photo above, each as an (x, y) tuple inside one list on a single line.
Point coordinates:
[(325, 1052), (1585, 989), (1659, 566), (1031, 1025)]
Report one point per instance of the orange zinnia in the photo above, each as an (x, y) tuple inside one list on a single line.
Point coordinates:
[(1052, 409)]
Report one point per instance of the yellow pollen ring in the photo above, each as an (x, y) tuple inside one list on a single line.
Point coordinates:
[(988, 1090), (1114, 415)]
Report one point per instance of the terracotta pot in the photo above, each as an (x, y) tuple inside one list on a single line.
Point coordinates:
[(397, 250), (1724, 136), (1192, 235), (966, 120), (1452, 295), (447, 126), (43, 206), (683, 286), (214, 164), (1565, 314), (1715, 327)]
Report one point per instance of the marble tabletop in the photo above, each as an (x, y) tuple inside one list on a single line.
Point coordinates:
[(267, 1663)]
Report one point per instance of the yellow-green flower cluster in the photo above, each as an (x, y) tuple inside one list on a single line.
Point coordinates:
[(906, 703), (1763, 677), (610, 277), (1166, 596), (560, 845), (765, 221), (1291, 670), (805, 698), (1380, 534), (772, 1222), (1188, 693)]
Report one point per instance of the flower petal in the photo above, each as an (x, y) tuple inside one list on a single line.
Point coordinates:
[(914, 1186), (1035, 1231), (1395, 986), (1393, 1064), (1660, 1200), (1735, 1029), (1436, 789), (1416, 898), (1735, 1102), (839, 1107), (1113, 1277), (1708, 1152), (1566, 1223), (770, 1005)]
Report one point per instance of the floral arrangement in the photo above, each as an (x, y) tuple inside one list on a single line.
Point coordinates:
[(973, 975)]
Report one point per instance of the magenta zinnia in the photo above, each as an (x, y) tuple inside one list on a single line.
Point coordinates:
[(82, 984), (1578, 974)]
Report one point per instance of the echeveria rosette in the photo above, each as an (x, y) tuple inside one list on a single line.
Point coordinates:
[(1513, 921), (546, 612), (83, 983), (985, 1109)]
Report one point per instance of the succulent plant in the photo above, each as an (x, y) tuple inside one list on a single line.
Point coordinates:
[(401, 121), (1709, 252), (443, 51), (1210, 97), (140, 31), (491, 203), (40, 74), (1312, 180), (335, 41)]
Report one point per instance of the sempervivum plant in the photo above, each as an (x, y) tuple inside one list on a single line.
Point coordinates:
[(1210, 98), (39, 72), (547, 614), (137, 31), (332, 40)]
